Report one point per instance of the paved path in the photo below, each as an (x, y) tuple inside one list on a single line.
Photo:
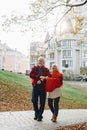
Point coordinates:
[(23, 120)]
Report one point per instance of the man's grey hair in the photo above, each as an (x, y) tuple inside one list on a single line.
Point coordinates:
[(41, 58)]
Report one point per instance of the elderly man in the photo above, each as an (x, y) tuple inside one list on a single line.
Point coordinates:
[(38, 90)]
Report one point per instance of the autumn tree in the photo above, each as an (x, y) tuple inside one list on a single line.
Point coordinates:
[(42, 11)]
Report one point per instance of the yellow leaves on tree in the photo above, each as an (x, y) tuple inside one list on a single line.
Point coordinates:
[(78, 23), (80, 42)]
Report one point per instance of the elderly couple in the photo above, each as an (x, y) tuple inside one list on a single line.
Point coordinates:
[(45, 81)]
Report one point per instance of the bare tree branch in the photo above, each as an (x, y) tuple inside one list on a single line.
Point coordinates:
[(62, 17), (76, 5), (68, 1), (25, 20), (55, 5)]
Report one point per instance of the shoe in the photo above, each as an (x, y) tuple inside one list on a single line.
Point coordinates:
[(54, 118), (35, 118), (39, 119)]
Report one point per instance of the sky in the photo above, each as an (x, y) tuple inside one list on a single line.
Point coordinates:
[(16, 39)]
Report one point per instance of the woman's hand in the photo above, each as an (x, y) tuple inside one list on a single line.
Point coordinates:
[(43, 77)]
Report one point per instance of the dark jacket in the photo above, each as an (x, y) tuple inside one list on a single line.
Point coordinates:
[(35, 75)]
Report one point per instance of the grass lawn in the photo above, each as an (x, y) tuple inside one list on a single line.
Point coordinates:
[(14, 79), (73, 97), (15, 93)]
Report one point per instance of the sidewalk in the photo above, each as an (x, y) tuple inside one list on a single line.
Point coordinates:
[(23, 120)]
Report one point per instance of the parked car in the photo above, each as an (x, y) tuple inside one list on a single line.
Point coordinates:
[(78, 78), (84, 78)]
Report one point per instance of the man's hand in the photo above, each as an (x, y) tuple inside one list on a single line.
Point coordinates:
[(38, 82)]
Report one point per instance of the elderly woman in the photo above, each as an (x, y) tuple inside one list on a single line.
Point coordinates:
[(54, 89)]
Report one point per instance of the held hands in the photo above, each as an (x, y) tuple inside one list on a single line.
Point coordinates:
[(39, 82), (43, 77)]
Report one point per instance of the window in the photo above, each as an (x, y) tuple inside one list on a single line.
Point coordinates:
[(67, 62), (67, 44), (67, 53), (85, 63), (63, 63), (51, 44), (52, 55)]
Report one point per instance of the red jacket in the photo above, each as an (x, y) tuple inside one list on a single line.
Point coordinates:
[(35, 76), (55, 81)]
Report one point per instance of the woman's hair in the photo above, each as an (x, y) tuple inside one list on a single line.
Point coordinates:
[(55, 66)]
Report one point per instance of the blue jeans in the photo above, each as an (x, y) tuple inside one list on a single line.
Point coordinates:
[(38, 99), (54, 105)]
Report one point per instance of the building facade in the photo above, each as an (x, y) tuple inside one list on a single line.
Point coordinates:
[(67, 53), (13, 60)]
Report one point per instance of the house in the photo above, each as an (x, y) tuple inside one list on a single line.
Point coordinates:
[(12, 60)]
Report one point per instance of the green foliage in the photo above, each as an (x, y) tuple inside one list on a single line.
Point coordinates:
[(68, 74), (83, 71)]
